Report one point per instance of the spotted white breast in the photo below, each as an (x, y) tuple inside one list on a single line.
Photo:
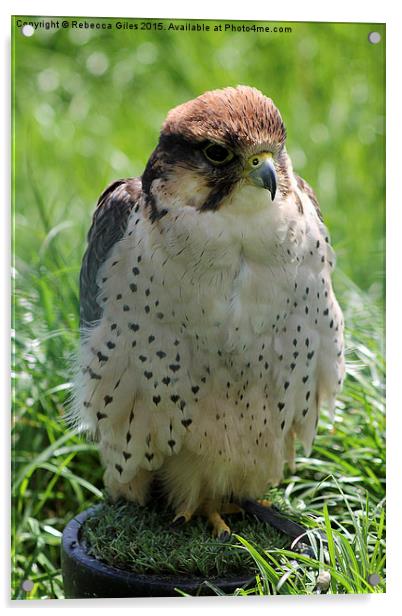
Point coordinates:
[(219, 340)]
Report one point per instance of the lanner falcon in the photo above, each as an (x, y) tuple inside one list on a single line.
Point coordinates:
[(211, 335)]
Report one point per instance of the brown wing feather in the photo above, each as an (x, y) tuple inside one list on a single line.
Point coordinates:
[(109, 223), (306, 188)]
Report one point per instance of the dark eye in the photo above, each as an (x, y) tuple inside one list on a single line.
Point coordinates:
[(217, 154)]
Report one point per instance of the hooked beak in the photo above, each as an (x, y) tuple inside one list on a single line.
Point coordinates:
[(260, 171)]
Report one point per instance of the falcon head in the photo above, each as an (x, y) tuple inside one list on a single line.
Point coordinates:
[(220, 147)]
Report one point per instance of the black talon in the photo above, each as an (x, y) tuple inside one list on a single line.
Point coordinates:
[(224, 537), (178, 522)]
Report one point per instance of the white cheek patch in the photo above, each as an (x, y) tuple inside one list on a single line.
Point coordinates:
[(181, 189)]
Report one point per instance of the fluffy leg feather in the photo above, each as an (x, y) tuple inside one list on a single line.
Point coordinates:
[(136, 490)]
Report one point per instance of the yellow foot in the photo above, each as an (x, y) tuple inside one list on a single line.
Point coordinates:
[(220, 529), (264, 502), (181, 518), (231, 508), (209, 509)]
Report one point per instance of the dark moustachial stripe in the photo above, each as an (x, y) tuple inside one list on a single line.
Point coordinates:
[(173, 152)]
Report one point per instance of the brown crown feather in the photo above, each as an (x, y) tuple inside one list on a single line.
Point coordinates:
[(237, 117)]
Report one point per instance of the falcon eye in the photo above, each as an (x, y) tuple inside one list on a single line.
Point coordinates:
[(255, 162), (217, 154)]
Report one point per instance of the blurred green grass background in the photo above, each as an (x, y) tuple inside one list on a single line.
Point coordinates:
[(87, 106)]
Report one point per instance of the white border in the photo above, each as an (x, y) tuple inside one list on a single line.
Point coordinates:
[(307, 10), (297, 10)]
